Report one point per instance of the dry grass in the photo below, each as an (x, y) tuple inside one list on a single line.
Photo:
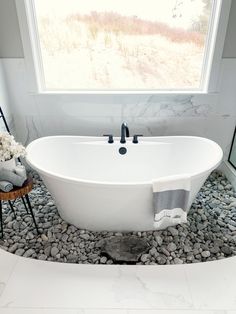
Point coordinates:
[(110, 22), (110, 51)]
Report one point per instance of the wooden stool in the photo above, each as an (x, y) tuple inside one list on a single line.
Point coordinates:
[(13, 195)]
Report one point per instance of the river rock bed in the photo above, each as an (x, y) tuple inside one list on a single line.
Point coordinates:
[(210, 233)]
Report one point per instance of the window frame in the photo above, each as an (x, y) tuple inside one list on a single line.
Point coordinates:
[(210, 68)]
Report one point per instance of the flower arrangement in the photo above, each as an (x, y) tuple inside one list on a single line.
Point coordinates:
[(9, 148)]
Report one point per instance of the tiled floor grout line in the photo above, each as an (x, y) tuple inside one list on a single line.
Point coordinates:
[(10, 275), (189, 286)]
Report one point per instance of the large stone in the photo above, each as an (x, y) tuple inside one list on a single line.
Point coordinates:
[(125, 248)]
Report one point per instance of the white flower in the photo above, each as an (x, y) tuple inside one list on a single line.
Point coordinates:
[(9, 148)]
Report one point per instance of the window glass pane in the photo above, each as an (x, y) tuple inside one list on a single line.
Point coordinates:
[(122, 44)]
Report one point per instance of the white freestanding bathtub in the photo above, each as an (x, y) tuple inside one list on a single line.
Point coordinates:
[(97, 188)]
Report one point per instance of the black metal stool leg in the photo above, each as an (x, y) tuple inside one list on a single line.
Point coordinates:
[(31, 211), (1, 218), (12, 208), (24, 204)]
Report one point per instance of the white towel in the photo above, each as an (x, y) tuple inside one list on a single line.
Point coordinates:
[(171, 200), (6, 186)]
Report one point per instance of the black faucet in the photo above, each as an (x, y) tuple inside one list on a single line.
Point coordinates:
[(124, 132)]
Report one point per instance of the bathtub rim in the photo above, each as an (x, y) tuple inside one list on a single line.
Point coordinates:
[(114, 183)]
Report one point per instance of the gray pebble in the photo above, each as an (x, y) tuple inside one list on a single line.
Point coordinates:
[(72, 258), (171, 247), (42, 257), (232, 228), (159, 240), (145, 258), (8, 219), (85, 236), (29, 253), (161, 260), (206, 254), (187, 249), (20, 252), (201, 226), (178, 261), (233, 204), (173, 231), (153, 251), (44, 237), (165, 251), (99, 243), (13, 248), (47, 250), (103, 260), (226, 250), (54, 251), (215, 250)]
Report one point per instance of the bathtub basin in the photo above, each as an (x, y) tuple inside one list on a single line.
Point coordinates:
[(97, 188)]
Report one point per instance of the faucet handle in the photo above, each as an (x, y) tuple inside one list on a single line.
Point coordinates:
[(135, 138), (110, 138)]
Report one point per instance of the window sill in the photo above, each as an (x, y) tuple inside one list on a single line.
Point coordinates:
[(124, 92)]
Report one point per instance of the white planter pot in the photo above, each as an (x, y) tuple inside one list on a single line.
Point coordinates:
[(9, 164)]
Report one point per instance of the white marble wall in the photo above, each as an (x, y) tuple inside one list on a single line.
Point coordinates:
[(212, 116)]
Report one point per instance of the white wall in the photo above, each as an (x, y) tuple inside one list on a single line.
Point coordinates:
[(211, 116), (4, 100), (230, 40), (10, 40)]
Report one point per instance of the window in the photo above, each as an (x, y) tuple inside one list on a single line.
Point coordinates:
[(145, 45)]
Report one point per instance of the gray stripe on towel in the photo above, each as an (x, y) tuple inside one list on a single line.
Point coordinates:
[(170, 199)]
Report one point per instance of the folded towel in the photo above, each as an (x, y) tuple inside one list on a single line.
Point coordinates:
[(171, 200), (5, 186), (7, 175)]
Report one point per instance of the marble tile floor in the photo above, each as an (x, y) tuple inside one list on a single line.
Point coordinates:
[(30, 286)]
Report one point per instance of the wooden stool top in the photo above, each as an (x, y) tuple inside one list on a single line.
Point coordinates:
[(17, 191)]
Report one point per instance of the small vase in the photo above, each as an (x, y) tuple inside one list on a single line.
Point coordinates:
[(8, 164)]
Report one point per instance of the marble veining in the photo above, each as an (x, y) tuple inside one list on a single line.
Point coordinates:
[(166, 106), (31, 129), (2, 286), (111, 289), (150, 114), (10, 122)]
